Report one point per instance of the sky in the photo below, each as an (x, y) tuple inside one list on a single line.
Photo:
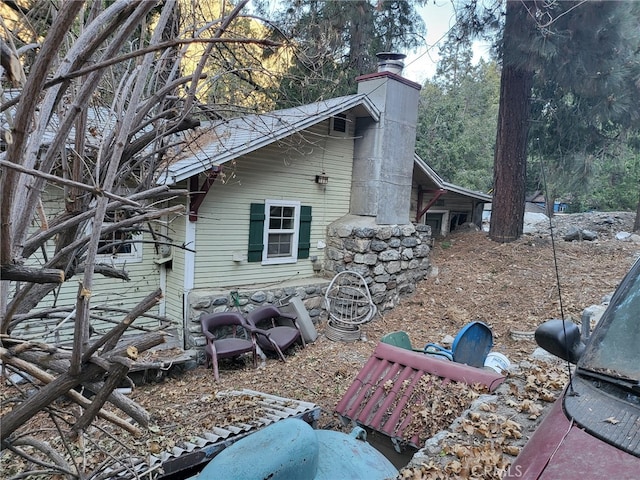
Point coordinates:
[(439, 17)]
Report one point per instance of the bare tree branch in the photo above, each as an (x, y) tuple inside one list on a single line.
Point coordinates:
[(20, 273), (97, 191)]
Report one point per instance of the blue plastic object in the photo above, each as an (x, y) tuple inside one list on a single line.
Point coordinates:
[(291, 450), (471, 345)]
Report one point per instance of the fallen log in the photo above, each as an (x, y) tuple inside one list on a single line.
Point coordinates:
[(44, 377), (56, 362)]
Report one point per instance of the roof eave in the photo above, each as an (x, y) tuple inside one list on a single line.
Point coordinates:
[(440, 183), (353, 101)]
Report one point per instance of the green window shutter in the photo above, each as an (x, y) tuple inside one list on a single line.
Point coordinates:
[(304, 237), (256, 231)]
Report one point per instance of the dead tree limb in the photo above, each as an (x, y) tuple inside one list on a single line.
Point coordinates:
[(59, 463), (66, 221), (12, 420), (110, 339), (11, 64), (117, 373), (17, 417), (44, 377), (70, 183), (20, 273), (60, 365)]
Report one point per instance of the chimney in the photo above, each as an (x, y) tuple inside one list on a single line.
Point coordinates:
[(384, 150)]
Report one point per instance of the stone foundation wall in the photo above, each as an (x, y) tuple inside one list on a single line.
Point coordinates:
[(391, 258), (211, 301)]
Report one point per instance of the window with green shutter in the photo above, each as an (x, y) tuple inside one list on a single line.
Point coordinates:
[(279, 232)]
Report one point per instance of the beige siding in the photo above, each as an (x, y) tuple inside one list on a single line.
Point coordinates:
[(106, 293), (174, 293), (285, 171)]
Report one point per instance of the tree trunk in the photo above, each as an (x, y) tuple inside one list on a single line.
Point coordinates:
[(636, 224), (510, 161)]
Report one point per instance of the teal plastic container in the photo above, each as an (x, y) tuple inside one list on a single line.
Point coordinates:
[(291, 450)]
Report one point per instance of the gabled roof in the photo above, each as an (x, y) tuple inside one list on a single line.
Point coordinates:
[(440, 183), (230, 139), (99, 123)]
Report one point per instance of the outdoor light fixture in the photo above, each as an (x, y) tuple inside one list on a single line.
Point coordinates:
[(322, 179)]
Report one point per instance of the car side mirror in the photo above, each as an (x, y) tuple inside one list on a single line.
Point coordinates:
[(560, 338)]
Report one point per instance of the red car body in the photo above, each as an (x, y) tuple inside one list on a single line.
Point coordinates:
[(593, 429), (559, 449)]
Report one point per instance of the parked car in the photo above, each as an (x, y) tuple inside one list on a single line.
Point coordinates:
[(593, 429)]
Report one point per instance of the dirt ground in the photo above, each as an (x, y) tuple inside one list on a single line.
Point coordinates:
[(511, 287)]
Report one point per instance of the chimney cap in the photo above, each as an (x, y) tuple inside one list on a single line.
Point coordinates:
[(390, 62), (390, 56)]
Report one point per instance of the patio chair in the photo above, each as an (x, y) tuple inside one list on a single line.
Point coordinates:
[(227, 336), (275, 331), (471, 345), (349, 304)]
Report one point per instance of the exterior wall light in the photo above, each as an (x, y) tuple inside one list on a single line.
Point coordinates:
[(322, 179)]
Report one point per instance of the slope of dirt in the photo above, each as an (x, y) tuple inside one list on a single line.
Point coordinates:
[(511, 287)]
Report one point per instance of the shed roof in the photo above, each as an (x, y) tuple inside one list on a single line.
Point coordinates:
[(230, 139), (200, 447), (379, 396), (440, 183)]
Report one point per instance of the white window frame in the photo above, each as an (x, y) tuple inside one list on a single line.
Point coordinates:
[(295, 232), (135, 256), (337, 133)]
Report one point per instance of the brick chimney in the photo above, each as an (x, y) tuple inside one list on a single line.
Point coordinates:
[(384, 150)]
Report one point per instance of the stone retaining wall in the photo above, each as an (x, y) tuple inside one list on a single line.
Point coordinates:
[(211, 301), (391, 258)]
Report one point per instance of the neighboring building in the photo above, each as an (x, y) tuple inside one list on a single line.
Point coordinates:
[(442, 205), (538, 199)]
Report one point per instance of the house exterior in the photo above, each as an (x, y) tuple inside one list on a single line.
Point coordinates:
[(442, 205), (262, 187), (280, 202)]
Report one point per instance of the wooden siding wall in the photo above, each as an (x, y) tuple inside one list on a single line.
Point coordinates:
[(284, 171), (453, 203), (174, 294), (107, 292)]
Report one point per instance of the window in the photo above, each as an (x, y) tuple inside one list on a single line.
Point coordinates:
[(339, 124), (279, 232), (123, 245)]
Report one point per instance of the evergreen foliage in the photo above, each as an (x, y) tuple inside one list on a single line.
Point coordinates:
[(336, 41), (457, 118)]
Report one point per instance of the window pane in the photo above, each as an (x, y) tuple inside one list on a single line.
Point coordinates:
[(279, 245), (274, 223), (115, 243), (281, 218)]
